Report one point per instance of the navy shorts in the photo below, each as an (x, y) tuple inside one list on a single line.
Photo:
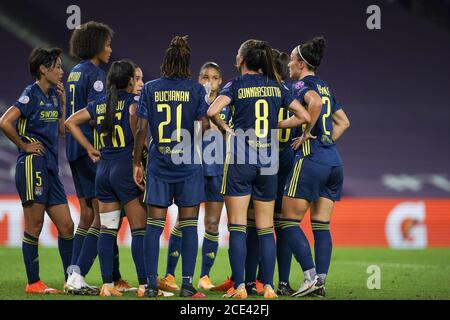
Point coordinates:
[(36, 183), (212, 189), (287, 158), (114, 180), (311, 180), (246, 179), (83, 174), (187, 193)]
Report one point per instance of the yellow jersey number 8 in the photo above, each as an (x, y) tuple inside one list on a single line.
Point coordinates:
[(262, 121)]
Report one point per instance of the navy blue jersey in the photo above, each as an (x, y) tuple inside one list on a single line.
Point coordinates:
[(216, 169), (39, 120), (171, 105), (86, 83), (285, 136), (255, 104), (323, 149), (122, 138)]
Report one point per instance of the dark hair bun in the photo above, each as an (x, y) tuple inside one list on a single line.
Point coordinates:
[(313, 50), (319, 45)]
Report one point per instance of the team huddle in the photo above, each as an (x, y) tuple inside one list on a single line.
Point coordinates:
[(132, 151)]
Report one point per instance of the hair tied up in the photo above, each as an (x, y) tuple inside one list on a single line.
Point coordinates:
[(262, 45), (179, 41)]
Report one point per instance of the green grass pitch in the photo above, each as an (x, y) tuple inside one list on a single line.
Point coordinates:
[(405, 274)]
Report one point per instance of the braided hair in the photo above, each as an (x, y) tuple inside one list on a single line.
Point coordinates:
[(177, 60)]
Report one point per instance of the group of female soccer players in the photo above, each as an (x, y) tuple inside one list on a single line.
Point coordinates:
[(124, 143)]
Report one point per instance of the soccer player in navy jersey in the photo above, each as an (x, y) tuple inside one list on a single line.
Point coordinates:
[(114, 184), (91, 43), (316, 180), (256, 97), (34, 124), (170, 106), (254, 283), (210, 76), (119, 283)]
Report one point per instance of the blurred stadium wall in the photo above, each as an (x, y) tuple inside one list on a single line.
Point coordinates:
[(394, 85)]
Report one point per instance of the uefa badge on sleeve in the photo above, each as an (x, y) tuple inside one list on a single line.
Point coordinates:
[(98, 86), (24, 99), (299, 85)]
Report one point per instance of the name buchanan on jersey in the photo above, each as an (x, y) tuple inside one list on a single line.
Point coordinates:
[(259, 92), (172, 95)]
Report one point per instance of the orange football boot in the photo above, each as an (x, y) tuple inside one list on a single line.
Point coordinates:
[(40, 288), (239, 293), (168, 283), (225, 286)]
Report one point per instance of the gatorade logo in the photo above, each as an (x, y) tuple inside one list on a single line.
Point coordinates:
[(405, 228)]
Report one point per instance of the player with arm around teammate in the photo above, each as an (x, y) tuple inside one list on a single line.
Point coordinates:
[(256, 96)]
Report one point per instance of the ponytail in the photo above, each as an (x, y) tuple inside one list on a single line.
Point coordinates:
[(269, 65), (257, 55), (119, 76), (111, 103)]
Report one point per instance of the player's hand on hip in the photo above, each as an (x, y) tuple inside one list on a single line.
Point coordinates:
[(138, 176), (298, 141), (227, 131), (94, 154), (34, 148)]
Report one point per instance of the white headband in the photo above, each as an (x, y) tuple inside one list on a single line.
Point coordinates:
[(301, 56)]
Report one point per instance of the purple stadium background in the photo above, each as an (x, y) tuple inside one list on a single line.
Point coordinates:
[(393, 82)]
